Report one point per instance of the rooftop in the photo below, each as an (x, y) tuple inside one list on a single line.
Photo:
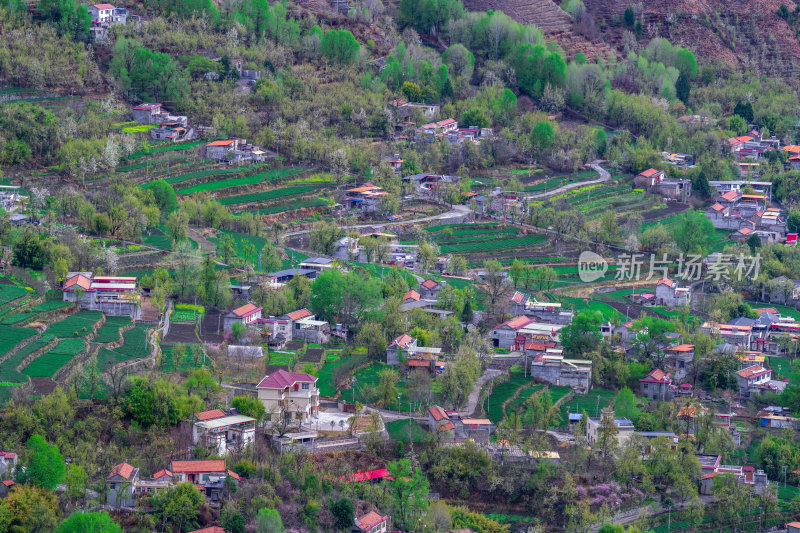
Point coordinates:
[(282, 379), (213, 465)]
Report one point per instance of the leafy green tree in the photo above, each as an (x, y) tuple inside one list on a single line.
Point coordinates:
[(323, 237), (543, 136), (269, 521), (46, 466), (625, 405), (629, 17), (342, 511), (249, 406), (30, 249), (651, 337), (682, 88), (89, 522), (372, 337), (583, 334), (68, 17), (409, 492), (339, 46), (459, 376), (177, 507), (164, 194), (475, 117), (344, 298), (753, 242), (694, 233), (737, 125), (158, 402), (744, 110)]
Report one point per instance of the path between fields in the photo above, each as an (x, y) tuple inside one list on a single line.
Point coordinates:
[(205, 245), (472, 400), (594, 165), (456, 211)]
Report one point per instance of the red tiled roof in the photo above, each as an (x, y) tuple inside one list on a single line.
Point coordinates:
[(212, 529), (752, 372), (8, 455), (222, 143), (429, 284), (246, 310), (515, 323), (124, 470), (299, 314), (234, 475), (369, 520), (657, 375), (413, 295), (208, 415), (666, 281), (650, 172), (518, 297), (418, 363), (745, 231), (716, 207), (162, 473), (730, 196), (8, 482), (438, 413), (402, 341), (476, 421), (536, 346), (213, 465), (81, 281), (682, 348), (282, 379), (103, 6)]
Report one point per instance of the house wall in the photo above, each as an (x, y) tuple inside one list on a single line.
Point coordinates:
[(503, 338)]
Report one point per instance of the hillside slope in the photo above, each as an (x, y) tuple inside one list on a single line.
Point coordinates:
[(744, 33)]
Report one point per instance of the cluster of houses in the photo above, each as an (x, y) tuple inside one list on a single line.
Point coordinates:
[(449, 424), (234, 151), (297, 325), (747, 215), (448, 129), (749, 149), (167, 127)]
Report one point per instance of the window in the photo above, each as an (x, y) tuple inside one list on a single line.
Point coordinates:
[(305, 386)]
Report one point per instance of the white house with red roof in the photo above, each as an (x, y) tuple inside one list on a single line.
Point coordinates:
[(648, 178), (656, 385), (401, 343), (246, 314), (679, 359), (101, 13), (8, 461), (113, 295), (291, 394), (752, 380), (207, 475), (505, 335), (371, 522), (219, 149), (669, 293), (305, 326)]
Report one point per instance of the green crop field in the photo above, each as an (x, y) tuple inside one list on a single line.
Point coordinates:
[(591, 402), (8, 368), (560, 181), (77, 325), (136, 343), (454, 227), (186, 313), (262, 177), (165, 147), (406, 431), (264, 196), (325, 383), (604, 309), (522, 398), (110, 331), (556, 392), (9, 293), (292, 205), (11, 336), (17, 318), (204, 174), (491, 244), (501, 393), (50, 305), (46, 365)]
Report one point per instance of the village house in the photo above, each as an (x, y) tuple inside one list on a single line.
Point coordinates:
[(735, 335), (221, 432), (656, 385), (439, 420), (294, 394), (437, 130), (670, 294), (278, 329), (366, 198), (121, 483), (411, 296), (8, 461), (154, 114), (625, 427), (371, 522), (207, 475), (113, 295), (401, 343), (555, 369), (223, 149), (306, 327), (317, 263), (429, 289), (405, 109), (395, 162), (247, 314), (752, 380), (680, 359), (103, 17), (504, 335), (552, 312), (171, 132), (10, 198), (760, 187)]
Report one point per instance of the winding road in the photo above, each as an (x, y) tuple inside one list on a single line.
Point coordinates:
[(594, 165)]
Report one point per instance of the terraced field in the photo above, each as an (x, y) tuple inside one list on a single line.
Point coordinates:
[(46, 365), (11, 336), (262, 177), (274, 194), (490, 243), (110, 331), (77, 325), (9, 293), (204, 174), (8, 368), (292, 205), (503, 392)]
